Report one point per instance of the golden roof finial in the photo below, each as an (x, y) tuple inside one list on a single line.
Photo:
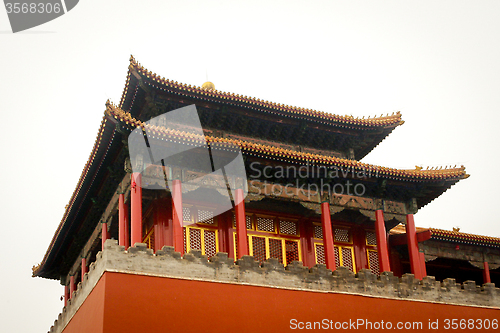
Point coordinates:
[(208, 86)]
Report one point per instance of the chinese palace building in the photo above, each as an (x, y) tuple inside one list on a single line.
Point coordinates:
[(310, 231)]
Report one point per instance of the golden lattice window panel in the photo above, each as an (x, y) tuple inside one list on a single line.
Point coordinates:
[(318, 231), (276, 249), (259, 248), (265, 224), (373, 263), (202, 239), (342, 235), (347, 258), (320, 254), (371, 238), (186, 214), (291, 251), (194, 239), (288, 227), (206, 216), (285, 250)]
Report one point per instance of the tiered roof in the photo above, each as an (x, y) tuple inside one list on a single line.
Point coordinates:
[(96, 183)]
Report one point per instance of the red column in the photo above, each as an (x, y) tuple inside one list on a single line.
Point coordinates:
[(71, 286), (84, 267), (122, 226), (486, 273), (328, 245), (306, 240), (411, 235), (241, 224), (383, 251), (127, 226), (177, 216), (105, 234), (159, 225), (136, 208), (422, 264), (359, 242)]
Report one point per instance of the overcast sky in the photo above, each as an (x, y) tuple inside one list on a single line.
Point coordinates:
[(435, 61)]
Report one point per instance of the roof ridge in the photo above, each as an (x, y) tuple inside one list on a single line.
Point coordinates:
[(463, 234), (393, 119)]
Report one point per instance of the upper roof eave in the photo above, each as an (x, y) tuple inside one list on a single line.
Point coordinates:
[(137, 71)]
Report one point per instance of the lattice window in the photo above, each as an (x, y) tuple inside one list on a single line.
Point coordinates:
[(318, 232), (194, 239), (265, 224), (186, 214), (276, 249), (320, 254), (288, 228), (201, 239), (206, 216), (291, 251), (347, 259), (342, 235), (371, 238), (249, 222), (259, 248), (373, 262), (210, 243)]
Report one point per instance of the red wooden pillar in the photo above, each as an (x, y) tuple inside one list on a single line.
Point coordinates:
[(105, 234), (486, 273), (359, 242), (411, 235), (177, 216), (241, 224), (71, 286), (159, 225), (84, 267), (328, 245), (306, 239), (136, 209), (422, 264), (225, 232), (383, 251), (122, 222)]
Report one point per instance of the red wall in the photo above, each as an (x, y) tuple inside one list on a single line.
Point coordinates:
[(136, 303), (90, 316)]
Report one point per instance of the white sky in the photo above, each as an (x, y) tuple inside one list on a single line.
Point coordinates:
[(435, 61)]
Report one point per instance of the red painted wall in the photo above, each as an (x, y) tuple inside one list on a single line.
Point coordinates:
[(135, 303), (90, 316)]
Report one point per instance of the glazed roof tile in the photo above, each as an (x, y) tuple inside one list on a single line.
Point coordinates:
[(453, 236), (418, 174), (135, 68)]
